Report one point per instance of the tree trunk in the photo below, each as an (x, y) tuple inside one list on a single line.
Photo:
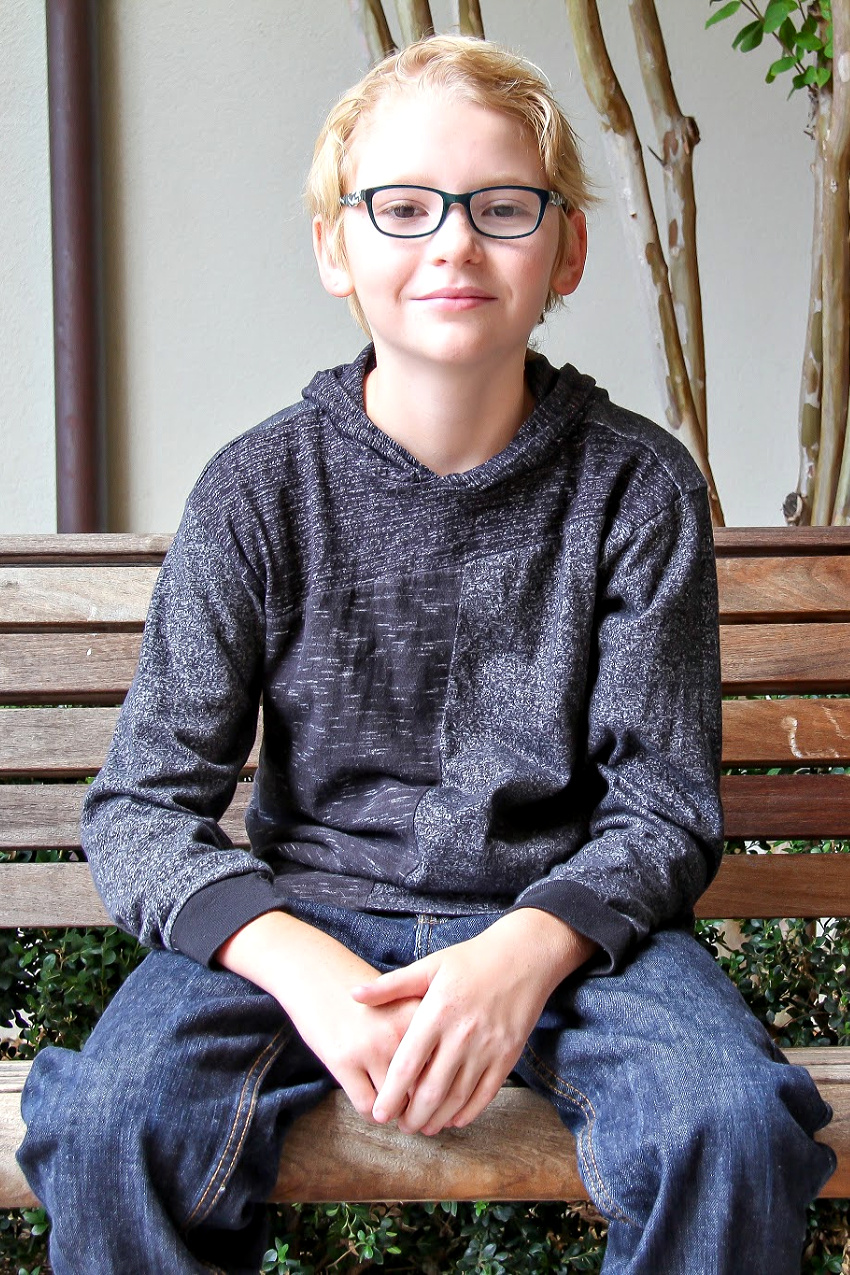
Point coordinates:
[(624, 154), (677, 136), (836, 300), (798, 506), (828, 504)]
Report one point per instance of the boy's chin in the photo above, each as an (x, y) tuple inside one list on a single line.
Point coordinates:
[(454, 347)]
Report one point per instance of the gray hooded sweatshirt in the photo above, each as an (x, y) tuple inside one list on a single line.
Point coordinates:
[(479, 691)]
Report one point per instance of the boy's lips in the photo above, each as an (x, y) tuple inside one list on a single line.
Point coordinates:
[(457, 294), (457, 299)]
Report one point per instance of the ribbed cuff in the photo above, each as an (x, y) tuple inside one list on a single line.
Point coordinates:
[(218, 910), (583, 910)]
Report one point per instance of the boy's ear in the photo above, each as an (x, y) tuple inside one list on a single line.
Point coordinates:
[(334, 275), (568, 274)]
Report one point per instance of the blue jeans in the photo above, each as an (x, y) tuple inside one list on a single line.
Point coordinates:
[(155, 1147)]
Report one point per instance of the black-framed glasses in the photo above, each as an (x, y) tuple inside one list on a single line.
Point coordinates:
[(410, 212)]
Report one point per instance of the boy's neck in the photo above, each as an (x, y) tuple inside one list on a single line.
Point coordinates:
[(450, 420)]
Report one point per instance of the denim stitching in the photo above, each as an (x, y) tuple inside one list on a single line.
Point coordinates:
[(580, 1100), (253, 1079), (422, 943)]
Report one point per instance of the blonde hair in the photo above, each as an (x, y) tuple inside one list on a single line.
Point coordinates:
[(478, 71)]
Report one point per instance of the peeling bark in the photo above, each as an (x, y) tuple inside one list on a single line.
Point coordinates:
[(831, 504), (677, 136), (469, 19), (811, 383), (371, 19), (624, 155), (415, 19), (836, 292)]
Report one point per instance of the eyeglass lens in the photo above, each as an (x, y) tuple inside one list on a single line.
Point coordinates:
[(506, 213)]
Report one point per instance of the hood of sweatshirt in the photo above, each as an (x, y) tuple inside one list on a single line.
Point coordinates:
[(562, 398)]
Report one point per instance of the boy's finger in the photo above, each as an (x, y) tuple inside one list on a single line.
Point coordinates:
[(361, 1093), (435, 1103), (481, 1097), (403, 1073), (409, 982)]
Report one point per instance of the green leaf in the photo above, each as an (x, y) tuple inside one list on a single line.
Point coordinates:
[(811, 43), (811, 75), (777, 12), (726, 12), (749, 37), (783, 64), (787, 34), (822, 76)]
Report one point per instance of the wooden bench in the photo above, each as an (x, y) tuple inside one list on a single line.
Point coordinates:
[(71, 614)]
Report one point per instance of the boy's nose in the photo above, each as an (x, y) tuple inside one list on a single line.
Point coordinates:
[(456, 235)]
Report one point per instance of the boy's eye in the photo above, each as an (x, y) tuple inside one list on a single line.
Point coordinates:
[(511, 209), (402, 212), (392, 208), (504, 211)]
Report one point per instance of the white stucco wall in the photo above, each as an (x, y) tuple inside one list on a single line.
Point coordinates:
[(216, 317), (27, 462)]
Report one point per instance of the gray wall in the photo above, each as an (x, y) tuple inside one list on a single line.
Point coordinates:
[(215, 315), (27, 483)]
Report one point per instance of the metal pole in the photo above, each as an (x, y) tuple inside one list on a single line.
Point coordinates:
[(72, 65)]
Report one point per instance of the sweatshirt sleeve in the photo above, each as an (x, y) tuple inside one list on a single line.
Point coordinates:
[(653, 740), (150, 825)]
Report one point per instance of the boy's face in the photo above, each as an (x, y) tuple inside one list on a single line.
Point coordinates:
[(454, 297)]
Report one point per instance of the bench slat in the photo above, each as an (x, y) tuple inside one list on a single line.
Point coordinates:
[(786, 732), (61, 743), (790, 658), (779, 885), (813, 587), (41, 816), (38, 816), (96, 549), (786, 806), (49, 895), (52, 742), (57, 668), (72, 742), (786, 542), (80, 597), (776, 885)]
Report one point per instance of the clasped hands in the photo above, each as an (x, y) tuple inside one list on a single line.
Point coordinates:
[(428, 1045), (467, 1012)]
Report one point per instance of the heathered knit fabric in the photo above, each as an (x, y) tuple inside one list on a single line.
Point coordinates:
[(479, 690)]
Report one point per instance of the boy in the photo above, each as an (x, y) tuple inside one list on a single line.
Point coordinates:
[(478, 602)]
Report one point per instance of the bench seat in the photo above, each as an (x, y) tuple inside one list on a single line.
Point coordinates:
[(71, 614)]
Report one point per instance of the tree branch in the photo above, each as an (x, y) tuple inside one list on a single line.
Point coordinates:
[(371, 19), (677, 136), (469, 19), (811, 383), (624, 155)]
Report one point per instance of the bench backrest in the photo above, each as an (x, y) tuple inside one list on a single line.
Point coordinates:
[(72, 609)]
